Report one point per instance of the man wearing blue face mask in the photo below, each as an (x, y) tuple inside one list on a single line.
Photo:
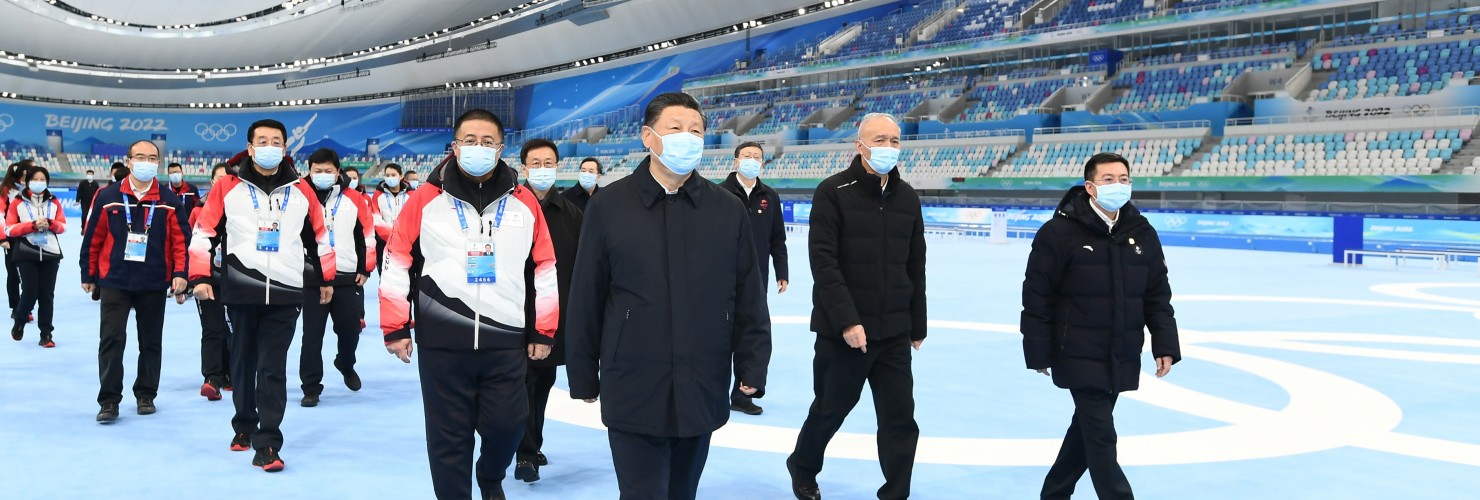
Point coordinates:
[(1096, 280), (347, 217), (587, 187), (189, 194), (667, 292), (866, 244), (541, 159), (768, 231)]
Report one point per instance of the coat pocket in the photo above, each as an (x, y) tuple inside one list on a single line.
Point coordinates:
[(611, 338)]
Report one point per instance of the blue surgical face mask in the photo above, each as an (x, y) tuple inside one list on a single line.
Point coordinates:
[(36, 186), (268, 157), (413, 184), (1112, 196), (177, 177), (323, 180), (541, 179), (681, 152), (750, 168), (354, 183), (588, 180), (477, 161), (392, 182), (145, 171), (883, 159)]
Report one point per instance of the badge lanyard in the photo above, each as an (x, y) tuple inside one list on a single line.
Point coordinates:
[(128, 215), (255, 207), (333, 214), (45, 211), (498, 219)]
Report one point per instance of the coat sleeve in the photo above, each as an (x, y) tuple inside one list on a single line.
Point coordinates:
[(364, 235), (778, 241), (1157, 304), (59, 222), (380, 220), (587, 304), (1041, 285), (96, 237), (316, 238), (750, 339), (13, 226), (177, 235), (915, 266), (395, 273), (546, 282), (829, 288), (206, 235)]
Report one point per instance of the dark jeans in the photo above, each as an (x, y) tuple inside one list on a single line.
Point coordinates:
[(838, 374), (1089, 445), (538, 381), (148, 308), (654, 468), (215, 337), (38, 289)]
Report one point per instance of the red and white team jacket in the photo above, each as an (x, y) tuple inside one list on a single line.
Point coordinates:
[(452, 313), (387, 206), (351, 233), (231, 219)]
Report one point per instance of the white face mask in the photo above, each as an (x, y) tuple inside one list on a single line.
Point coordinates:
[(413, 184), (354, 183), (36, 187), (89, 177)]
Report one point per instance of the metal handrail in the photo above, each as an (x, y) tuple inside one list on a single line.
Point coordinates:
[(1120, 127), (1288, 119)]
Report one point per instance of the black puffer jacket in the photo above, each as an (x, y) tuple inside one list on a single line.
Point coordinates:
[(867, 247), (1089, 294)]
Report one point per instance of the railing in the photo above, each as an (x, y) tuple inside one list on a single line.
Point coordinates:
[(1051, 199), (357, 73), (1122, 127), (1387, 112)]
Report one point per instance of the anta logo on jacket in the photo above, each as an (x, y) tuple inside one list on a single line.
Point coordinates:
[(452, 229), (235, 209)]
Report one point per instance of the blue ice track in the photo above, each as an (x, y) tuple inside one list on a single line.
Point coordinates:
[(1290, 360)]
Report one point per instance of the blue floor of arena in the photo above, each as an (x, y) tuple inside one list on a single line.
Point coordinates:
[(1301, 380)]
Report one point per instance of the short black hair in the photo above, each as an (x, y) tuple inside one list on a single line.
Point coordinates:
[(1100, 159), (89, 171), (412, 171), (750, 144), (664, 101), (269, 123), (117, 165), (37, 168), (324, 155), (352, 169), (534, 144), (599, 169), (478, 114), (392, 166), (219, 167), (135, 144), (174, 165)]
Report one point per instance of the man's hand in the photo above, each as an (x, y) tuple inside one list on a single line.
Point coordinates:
[(855, 338), (401, 348), (204, 292), (1163, 366), (360, 279), (5, 245), (326, 294), (917, 343), (746, 390), (781, 286), (538, 351), (88, 287), (177, 286), (1044, 371)]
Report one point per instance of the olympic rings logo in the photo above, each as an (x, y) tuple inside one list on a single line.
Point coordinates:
[(6, 121), (1176, 221), (215, 132)]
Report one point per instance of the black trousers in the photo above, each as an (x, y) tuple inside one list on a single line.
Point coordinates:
[(1089, 445), (260, 336), (215, 337), (12, 280), (464, 391), (658, 468), (148, 308), (345, 308), (38, 290), (838, 374), (538, 382)]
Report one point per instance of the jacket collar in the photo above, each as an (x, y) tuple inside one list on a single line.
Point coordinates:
[(1076, 206), (150, 194), (480, 195), (552, 199), (861, 175), (732, 183), (649, 191)]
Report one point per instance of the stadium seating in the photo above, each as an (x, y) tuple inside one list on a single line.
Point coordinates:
[(1093, 11), (718, 117), (981, 18), (1296, 48), (1149, 158), (1178, 87), (887, 32), (1002, 100), (1401, 152), (11, 154), (953, 161), (1415, 69), (787, 115)]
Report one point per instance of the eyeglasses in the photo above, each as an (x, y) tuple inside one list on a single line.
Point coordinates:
[(154, 158), (486, 144), (543, 164)]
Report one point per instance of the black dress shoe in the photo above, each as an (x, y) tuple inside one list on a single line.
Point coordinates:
[(108, 414), (527, 471), (540, 460), (497, 493), (748, 408), (804, 492), (309, 401), (351, 379), (18, 332), (146, 406)]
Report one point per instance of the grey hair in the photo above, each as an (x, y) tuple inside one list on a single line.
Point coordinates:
[(873, 116)]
